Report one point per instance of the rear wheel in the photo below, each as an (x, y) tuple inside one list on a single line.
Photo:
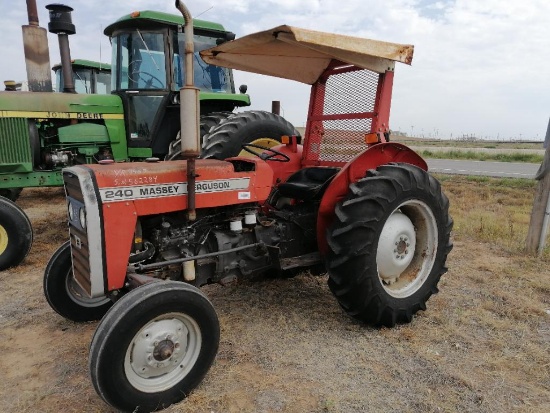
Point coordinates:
[(64, 294), (207, 122), (389, 243), (154, 346), (15, 234), (256, 127)]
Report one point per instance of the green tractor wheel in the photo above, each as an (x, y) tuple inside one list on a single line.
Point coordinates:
[(255, 126), (207, 122), (15, 234)]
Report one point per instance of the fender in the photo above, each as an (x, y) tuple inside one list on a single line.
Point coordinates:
[(353, 171)]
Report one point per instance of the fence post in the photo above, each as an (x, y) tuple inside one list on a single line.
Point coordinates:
[(536, 235)]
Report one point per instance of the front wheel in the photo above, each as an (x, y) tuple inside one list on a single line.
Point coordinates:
[(64, 295), (154, 346), (389, 243), (15, 234)]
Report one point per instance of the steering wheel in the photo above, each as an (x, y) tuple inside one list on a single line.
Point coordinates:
[(150, 81), (134, 74), (274, 155)]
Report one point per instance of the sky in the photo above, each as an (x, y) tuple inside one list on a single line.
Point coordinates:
[(480, 67)]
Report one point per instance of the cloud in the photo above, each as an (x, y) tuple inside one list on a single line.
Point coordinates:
[(479, 66)]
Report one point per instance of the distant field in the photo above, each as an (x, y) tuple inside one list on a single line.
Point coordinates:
[(504, 151), (470, 143)]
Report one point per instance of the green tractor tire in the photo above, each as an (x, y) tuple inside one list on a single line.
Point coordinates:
[(256, 127), (207, 122), (15, 234)]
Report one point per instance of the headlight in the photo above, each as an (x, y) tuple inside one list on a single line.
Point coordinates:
[(82, 217)]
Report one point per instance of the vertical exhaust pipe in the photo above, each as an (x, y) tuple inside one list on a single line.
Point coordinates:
[(189, 113), (61, 24), (37, 53)]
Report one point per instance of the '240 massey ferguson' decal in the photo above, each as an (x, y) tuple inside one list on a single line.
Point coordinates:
[(131, 193)]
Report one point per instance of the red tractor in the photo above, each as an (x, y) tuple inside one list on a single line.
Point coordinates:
[(145, 236)]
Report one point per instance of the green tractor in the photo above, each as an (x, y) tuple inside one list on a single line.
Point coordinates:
[(41, 133), (88, 76)]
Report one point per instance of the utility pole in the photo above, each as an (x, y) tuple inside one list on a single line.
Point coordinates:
[(536, 236)]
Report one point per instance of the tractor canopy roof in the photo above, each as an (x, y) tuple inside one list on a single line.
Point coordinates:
[(83, 63), (152, 19), (303, 55)]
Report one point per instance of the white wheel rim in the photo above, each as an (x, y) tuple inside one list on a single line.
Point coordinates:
[(79, 296), (163, 352), (407, 248)]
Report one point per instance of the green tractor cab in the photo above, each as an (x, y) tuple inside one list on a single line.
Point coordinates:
[(148, 50), (88, 76)]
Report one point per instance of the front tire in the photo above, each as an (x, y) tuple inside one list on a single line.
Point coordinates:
[(15, 234), (63, 293), (154, 346), (389, 244)]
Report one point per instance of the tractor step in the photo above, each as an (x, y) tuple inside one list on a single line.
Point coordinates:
[(305, 260)]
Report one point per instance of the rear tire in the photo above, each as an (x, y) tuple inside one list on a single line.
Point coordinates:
[(389, 243), (154, 346), (63, 293), (207, 122), (15, 234), (226, 139)]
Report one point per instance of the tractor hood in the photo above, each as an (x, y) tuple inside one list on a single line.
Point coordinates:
[(47, 105), (303, 55)]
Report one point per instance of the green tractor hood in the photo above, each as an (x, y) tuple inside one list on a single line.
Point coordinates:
[(46, 105)]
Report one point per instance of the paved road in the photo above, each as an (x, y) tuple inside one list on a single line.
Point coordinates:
[(486, 168), (470, 149)]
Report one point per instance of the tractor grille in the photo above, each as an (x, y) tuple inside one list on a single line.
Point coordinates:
[(342, 114), (15, 155), (79, 238)]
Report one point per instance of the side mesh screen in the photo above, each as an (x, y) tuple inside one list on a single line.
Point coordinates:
[(342, 112)]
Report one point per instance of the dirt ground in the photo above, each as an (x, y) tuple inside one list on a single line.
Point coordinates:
[(483, 345)]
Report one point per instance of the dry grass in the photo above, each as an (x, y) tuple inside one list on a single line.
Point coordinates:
[(495, 210), (482, 345)]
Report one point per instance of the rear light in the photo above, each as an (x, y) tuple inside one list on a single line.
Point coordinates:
[(371, 138)]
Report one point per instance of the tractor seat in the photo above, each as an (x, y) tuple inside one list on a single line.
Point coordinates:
[(307, 184)]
